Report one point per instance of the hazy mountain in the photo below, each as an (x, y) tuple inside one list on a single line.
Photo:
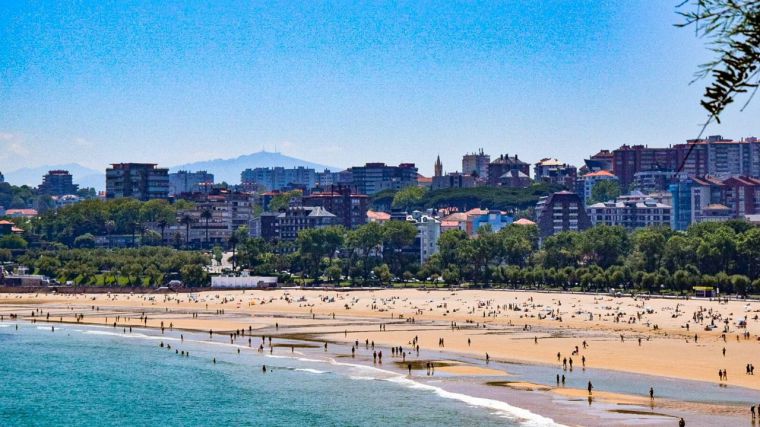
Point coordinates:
[(32, 177), (229, 169), (223, 169)]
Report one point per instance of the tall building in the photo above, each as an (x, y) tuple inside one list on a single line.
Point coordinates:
[(476, 164), (741, 194), (601, 161), (652, 181), (627, 160), (699, 199), (286, 225), (562, 211), (57, 183), (375, 177), (327, 178), (555, 172), (691, 158), (438, 167), (279, 178), (453, 180), (680, 217), (726, 157), (502, 165), (631, 214), (349, 208), (715, 156), (190, 182), (229, 211), (428, 233), (142, 181)]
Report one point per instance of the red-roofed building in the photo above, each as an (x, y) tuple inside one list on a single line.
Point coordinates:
[(524, 221), (21, 213), (379, 217)]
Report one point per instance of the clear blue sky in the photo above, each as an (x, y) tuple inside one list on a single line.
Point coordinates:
[(342, 83)]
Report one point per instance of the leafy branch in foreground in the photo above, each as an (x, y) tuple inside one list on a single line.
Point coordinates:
[(733, 30)]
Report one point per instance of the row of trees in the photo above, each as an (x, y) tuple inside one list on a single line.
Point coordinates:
[(24, 196), (721, 254), (147, 266), (104, 218), (503, 198)]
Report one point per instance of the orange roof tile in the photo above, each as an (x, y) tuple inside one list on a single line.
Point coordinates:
[(523, 221), (599, 173)]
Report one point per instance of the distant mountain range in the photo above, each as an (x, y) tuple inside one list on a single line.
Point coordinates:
[(83, 176), (229, 169), (223, 169)]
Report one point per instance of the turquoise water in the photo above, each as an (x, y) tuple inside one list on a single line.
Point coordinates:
[(79, 376)]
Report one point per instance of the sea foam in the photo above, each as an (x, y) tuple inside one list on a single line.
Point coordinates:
[(524, 416)]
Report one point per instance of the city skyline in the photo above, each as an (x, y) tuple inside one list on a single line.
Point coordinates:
[(97, 84)]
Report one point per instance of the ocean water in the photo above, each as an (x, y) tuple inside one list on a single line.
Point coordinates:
[(90, 376)]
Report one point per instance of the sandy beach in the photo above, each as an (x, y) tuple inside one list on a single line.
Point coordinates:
[(658, 337)]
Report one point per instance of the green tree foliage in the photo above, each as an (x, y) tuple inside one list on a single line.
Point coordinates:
[(467, 198), (315, 244), (282, 200), (397, 235), (408, 197), (104, 218), (116, 267), (12, 241), (732, 28), (604, 191), (194, 275), (85, 240)]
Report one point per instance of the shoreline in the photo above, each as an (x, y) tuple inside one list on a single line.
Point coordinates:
[(478, 315), (609, 408)]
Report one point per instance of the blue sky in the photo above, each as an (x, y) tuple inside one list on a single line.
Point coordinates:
[(344, 83)]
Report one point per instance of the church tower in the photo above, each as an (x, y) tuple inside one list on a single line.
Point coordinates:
[(438, 167)]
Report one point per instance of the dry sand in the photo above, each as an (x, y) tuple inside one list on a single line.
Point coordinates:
[(559, 322)]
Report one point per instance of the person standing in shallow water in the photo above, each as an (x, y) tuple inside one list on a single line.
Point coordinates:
[(590, 387)]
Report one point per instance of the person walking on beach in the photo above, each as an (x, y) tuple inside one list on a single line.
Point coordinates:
[(651, 393), (681, 423), (410, 369), (752, 410), (590, 387)]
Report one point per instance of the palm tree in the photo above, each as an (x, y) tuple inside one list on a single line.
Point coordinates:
[(206, 215), (135, 226), (233, 244), (186, 220), (110, 227), (162, 223)]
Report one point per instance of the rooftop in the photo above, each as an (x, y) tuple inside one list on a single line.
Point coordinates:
[(599, 173)]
